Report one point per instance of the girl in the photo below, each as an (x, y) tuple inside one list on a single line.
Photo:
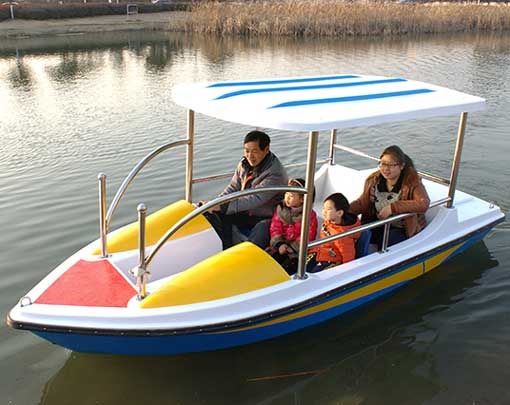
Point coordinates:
[(337, 219), (285, 229)]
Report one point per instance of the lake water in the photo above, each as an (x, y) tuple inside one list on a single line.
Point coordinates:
[(71, 107)]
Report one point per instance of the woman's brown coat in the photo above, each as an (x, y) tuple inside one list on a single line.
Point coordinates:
[(413, 198)]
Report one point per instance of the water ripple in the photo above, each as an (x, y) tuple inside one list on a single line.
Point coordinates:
[(70, 111)]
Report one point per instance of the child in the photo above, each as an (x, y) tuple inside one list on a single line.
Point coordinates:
[(337, 219), (285, 230)]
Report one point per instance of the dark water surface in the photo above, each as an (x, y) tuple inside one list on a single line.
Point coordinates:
[(71, 107)]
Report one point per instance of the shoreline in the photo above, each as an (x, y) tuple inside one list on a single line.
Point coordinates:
[(162, 21), (266, 19)]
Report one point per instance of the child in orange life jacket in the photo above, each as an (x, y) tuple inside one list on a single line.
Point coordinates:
[(285, 229), (337, 219)]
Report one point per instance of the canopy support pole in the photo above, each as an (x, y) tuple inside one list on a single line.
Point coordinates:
[(307, 205), (331, 159), (456, 159), (189, 155)]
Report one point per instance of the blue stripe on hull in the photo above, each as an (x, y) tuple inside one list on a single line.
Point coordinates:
[(174, 344), (142, 345)]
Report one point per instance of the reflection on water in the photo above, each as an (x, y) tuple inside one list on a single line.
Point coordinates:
[(71, 107), (73, 66), (158, 49), (350, 360), (20, 75)]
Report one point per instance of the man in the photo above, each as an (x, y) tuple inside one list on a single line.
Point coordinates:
[(258, 168)]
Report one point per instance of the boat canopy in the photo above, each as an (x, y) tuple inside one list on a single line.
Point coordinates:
[(317, 103)]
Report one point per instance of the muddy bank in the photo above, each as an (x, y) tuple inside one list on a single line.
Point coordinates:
[(164, 21)]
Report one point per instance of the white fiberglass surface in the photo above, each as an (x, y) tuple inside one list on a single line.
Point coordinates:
[(444, 225), (323, 102)]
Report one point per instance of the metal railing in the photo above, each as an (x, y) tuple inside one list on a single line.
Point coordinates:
[(356, 152), (214, 203), (229, 175), (141, 270), (386, 222), (134, 172), (105, 218)]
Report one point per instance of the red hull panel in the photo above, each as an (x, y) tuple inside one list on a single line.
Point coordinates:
[(86, 283)]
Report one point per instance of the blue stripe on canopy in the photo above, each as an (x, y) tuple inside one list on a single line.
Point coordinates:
[(257, 83), (316, 87), (352, 98)]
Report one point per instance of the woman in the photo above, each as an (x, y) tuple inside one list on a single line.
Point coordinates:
[(396, 188)]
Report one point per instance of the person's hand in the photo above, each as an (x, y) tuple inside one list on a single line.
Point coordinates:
[(385, 212), (283, 249), (214, 209), (210, 210)]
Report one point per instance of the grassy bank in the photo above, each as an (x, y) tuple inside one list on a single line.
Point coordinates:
[(338, 18)]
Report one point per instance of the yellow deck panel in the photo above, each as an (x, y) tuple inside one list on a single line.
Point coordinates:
[(240, 269), (157, 224)]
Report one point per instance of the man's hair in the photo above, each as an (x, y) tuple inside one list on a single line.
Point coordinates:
[(258, 136)]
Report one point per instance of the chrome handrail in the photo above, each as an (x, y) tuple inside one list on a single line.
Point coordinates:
[(229, 175), (134, 172), (102, 213), (435, 179), (211, 204), (105, 219), (354, 152), (429, 176), (238, 194), (140, 271), (213, 178), (371, 225)]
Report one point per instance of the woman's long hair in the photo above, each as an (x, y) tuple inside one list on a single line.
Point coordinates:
[(400, 157)]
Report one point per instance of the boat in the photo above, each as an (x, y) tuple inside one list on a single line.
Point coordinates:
[(164, 285)]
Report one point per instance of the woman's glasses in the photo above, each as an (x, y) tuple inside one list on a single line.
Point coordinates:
[(385, 165)]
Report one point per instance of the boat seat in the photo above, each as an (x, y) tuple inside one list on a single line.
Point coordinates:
[(240, 269), (157, 224), (363, 243)]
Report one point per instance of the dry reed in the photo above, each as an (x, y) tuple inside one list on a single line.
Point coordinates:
[(340, 18)]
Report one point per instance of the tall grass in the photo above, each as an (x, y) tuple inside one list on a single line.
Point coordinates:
[(340, 18)]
